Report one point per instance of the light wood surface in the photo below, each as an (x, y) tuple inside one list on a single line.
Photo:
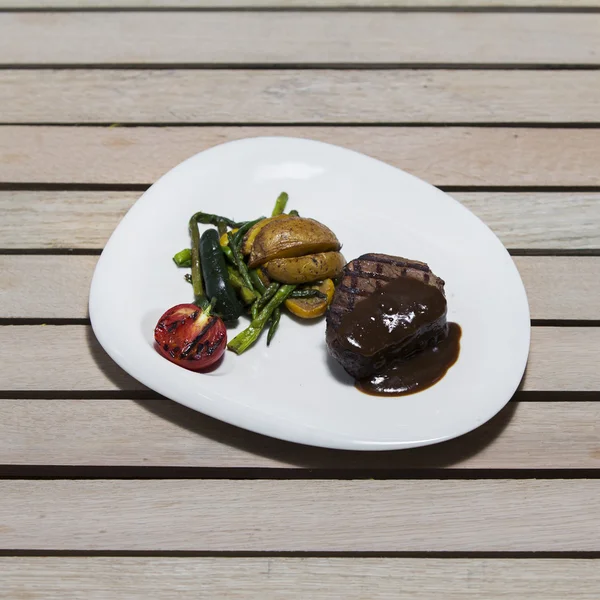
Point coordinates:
[(322, 96), (298, 38), (444, 156), (312, 515), (85, 219), (278, 4), (33, 286), (164, 578), (561, 359), (161, 433), (495, 100)]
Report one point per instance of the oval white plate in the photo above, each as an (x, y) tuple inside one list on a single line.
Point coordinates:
[(292, 390)]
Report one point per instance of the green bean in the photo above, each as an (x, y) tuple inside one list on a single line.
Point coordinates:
[(269, 293), (246, 294), (241, 232), (274, 325), (241, 342), (183, 258), (199, 296), (229, 255), (259, 286), (221, 227), (209, 219), (294, 213), (257, 281), (239, 262), (309, 293), (280, 204)]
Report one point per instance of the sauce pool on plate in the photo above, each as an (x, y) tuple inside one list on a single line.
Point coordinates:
[(418, 373)]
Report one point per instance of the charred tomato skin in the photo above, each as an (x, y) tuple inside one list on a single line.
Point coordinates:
[(190, 338)]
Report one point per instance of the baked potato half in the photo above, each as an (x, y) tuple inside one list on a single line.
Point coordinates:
[(305, 269), (291, 237)]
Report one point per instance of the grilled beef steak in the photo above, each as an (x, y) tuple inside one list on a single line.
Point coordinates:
[(385, 309)]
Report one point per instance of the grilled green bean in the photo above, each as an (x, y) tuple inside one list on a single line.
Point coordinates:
[(309, 293), (239, 262), (274, 325), (199, 296), (246, 294), (241, 232), (280, 204), (241, 342), (183, 258), (256, 280), (229, 255), (269, 293), (209, 219), (221, 227)]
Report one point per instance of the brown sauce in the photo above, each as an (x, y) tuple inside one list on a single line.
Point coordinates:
[(424, 369), (401, 314), (396, 340)]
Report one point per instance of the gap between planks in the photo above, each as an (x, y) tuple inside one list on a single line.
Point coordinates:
[(151, 434), (456, 156), (295, 97), (558, 287), (164, 578)]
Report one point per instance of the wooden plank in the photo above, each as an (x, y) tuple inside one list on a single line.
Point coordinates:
[(538, 220), (561, 359), (561, 287), (39, 283), (525, 435), (71, 219), (166, 578), (467, 156), (34, 286), (311, 515), (322, 4), (86, 219), (76, 361), (84, 4), (321, 96), (75, 38)]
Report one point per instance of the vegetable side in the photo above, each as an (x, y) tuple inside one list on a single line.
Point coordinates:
[(259, 267)]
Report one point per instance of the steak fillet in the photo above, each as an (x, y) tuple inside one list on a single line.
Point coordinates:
[(373, 305)]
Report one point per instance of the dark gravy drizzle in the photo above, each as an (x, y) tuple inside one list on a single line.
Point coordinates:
[(408, 316), (418, 373)]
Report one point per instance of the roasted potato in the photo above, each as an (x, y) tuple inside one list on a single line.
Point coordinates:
[(305, 269), (250, 236), (289, 238)]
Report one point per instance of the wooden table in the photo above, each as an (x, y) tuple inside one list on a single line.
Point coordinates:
[(109, 491)]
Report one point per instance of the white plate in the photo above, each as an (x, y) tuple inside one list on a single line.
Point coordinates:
[(291, 390)]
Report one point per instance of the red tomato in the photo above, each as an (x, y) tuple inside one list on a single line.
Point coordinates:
[(190, 337)]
